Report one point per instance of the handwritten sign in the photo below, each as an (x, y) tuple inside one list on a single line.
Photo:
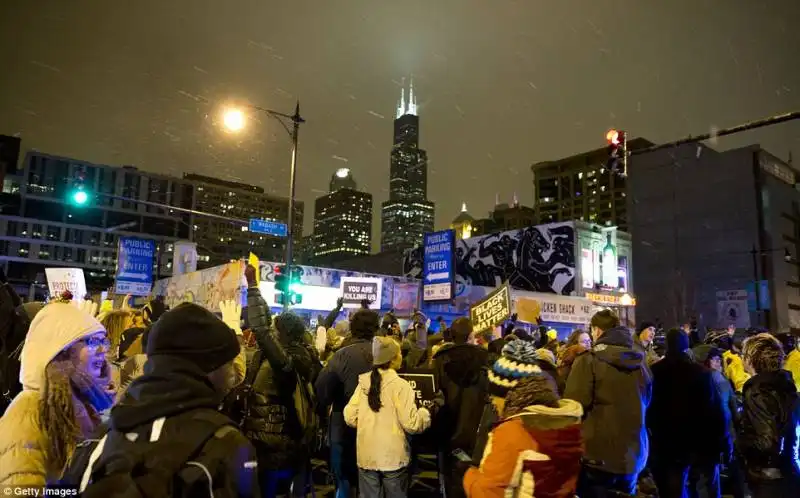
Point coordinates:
[(424, 385), (60, 280), (493, 310)]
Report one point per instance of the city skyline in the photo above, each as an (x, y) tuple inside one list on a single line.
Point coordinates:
[(501, 92)]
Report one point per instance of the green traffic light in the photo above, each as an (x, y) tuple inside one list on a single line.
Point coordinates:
[(80, 198)]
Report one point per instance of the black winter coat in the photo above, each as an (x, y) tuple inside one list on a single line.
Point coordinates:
[(460, 373), (272, 423), (338, 381), (687, 418), (770, 424)]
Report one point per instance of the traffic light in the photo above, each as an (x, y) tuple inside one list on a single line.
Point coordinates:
[(78, 193), (281, 279), (287, 285), (295, 285), (617, 152)]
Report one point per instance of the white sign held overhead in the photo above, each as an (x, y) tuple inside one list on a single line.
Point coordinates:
[(356, 289), (732, 308), (60, 280)]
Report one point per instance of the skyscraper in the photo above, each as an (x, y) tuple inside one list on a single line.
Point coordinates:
[(408, 214), (342, 221)]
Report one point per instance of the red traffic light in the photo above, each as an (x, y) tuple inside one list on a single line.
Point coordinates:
[(278, 270), (613, 137)]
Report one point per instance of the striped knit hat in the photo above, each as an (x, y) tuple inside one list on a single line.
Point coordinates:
[(518, 360)]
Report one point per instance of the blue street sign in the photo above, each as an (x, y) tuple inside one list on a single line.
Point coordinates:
[(763, 296), (266, 227), (438, 271), (135, 266)]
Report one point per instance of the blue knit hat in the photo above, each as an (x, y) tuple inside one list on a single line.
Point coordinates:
[(519, 360)]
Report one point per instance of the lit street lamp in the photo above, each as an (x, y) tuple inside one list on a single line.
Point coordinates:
[(234, 120)]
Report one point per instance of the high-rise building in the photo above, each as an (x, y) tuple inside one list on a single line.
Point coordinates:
[(219, 241), (342, 221), (707, 225), (582, 188), (43, 230), (408, 213)]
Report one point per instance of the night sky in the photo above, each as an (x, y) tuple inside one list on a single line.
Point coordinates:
[(499, 87)]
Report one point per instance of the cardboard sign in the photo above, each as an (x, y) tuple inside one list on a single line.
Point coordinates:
[(66, 279), (493, 310), (424, 385), (356, 289)]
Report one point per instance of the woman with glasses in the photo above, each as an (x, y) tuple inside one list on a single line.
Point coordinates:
[(64, 376)]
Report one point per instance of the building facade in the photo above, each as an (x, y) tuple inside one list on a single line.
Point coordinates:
[(707, 226), (9, 157), (219, 241), (43, 230), (503, 217), (582, 188), (342, 221), (407, 215)]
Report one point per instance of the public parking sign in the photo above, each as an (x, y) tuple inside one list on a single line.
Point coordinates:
[(266, 227), (438, 272), (135, 266)]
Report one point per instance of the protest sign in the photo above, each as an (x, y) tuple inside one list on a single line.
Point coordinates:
[(356, 289), (492, 310), (424, 385), (60, 280)]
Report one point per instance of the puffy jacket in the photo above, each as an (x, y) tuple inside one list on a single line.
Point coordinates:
[(768, 438), (539, 449), (272, 424), (381, 441), (460, 373), (614, 385)]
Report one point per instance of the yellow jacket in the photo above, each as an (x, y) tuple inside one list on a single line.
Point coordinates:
[(793, 365), (733, 368)]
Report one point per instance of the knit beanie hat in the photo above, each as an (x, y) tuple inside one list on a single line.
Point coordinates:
[(384, 350), (56, 327), (518, 361), (546, 355), (677, 342), (704, 352), (193, 333)]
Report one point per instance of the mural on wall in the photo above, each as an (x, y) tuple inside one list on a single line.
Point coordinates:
[(537, 259), (206, 287)]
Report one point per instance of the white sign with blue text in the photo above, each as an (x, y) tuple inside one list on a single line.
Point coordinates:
[(135, 266), (438, 272)]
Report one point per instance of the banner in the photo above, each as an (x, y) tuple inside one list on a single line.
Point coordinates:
[(135, 266), (424, 385), (206, 288), (356, 289), (66, 279), (553, 308), (493, 310)]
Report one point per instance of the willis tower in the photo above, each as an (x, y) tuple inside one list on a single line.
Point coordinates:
[(408, 214)]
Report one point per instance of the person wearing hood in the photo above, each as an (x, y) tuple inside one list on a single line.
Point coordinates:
[(644, 340), (383, 411), (769, 435), (168, 419), (63, 374), (460, 373), (537, 445), (687, 422), (613, 384), (335, 386)]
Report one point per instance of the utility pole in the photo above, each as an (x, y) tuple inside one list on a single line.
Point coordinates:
[(296, 121)]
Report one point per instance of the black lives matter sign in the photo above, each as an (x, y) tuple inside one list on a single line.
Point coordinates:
[(424, 385), (492, 311), (355, 291)]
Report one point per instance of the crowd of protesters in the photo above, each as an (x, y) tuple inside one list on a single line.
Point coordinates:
[(183, 402)]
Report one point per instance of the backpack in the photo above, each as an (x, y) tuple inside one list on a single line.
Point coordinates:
[(141, 464), (305, 405)]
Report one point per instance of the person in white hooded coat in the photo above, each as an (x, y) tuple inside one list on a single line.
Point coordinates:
[(383, 411), (64, 375)]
